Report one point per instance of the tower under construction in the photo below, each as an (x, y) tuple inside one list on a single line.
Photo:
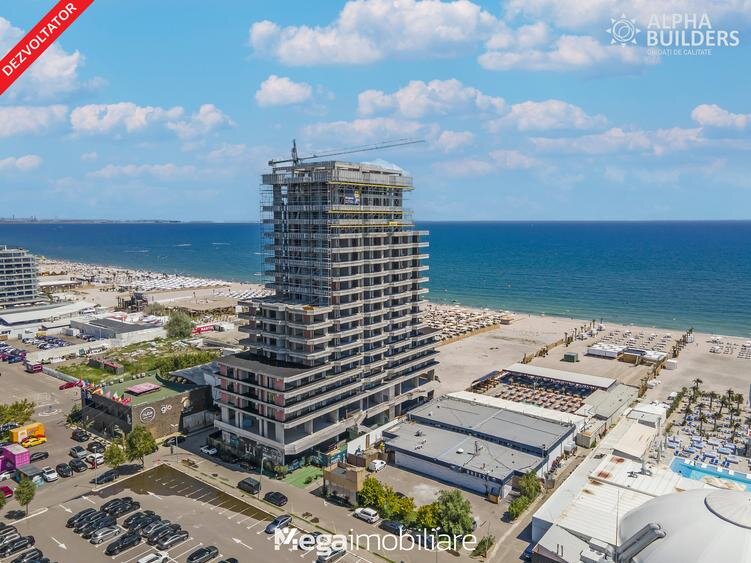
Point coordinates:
[(340, 347)]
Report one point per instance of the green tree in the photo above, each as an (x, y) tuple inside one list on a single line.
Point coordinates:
[(156, 309), (454, 513), (24, 493), (74, 416), (373, 493), (138, 444), (529, 485), (179, 325), (114, 455), (426, 517), (517, 506), (18, 411)]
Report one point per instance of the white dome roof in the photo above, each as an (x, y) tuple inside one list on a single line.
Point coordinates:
[(702, 526)]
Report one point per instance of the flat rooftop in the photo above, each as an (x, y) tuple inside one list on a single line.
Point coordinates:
[(504, 425), (455, 449), (560, 375), (167, 389), (42, 313), (256, 364), (120, 327)]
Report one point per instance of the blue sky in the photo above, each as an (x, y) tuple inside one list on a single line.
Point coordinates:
[(171, 109)]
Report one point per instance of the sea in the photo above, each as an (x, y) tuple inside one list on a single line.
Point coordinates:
[(664, 274)]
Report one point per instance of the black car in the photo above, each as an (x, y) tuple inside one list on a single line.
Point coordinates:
[(124, 508), (106, 477), (122, 543), (147, 530), (15, 546), (280, 521), (115, 501), (82, 524), (250, 485), (38, 456), (275, 498), (92, 527), (161, 533), (229, 560), (134, 518), (96, 447), (141, 523), (80, 435), (28, 556), (203, 554), (173, 441), (172, 540), (73, 520), (64, 470), (393, 527), (77, 465)]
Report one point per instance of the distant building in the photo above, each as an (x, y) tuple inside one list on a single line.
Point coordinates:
[(341, 346), (18, 278), (126, 333)]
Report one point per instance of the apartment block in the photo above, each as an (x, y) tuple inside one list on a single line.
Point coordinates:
[(340, 347), (18, 278)]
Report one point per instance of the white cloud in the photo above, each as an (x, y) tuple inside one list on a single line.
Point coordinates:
[(104, 118), (166, 171), (368, 130), (88, 156), (449, 141), (496, 161), (370, 30), (228, 152), (386, 164), (525, 37), (54, 72), (512, 159), (712, 115), (567, 52), (206, 119), (549, 114), (21, 163), (281, 91), (616, 140), (419, 98), (18, 120)]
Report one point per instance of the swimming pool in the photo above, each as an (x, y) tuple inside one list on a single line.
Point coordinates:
[(698, 473)]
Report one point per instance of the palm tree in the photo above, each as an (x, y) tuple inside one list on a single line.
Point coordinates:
[(712, 397), (733, 414), (723, 404), (697, 382), (736, 426), (738, 398), (716, 417), (702, 420), (686, 413)]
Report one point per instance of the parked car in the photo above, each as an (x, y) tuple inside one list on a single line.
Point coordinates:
[(77, 452), (172, 540), (173, 441), (16, 545), (162, 532), (77, 465), (105, 534), (96, 447), (250, 485), (154, 558), (49, 474), (38, 456), (424, 539), (133, 519), (124, 508), (141, 523), (63, 470), (94, 460), (527, 553), (280, 521), (114, 502), (376, 465), (7, 474), (203, 554), (106, 477), (8, 537), (88, 531), (80, 435), (367, 514), (8, 426), (87, 522), (122, 543), (146, 531), (73, 520), (229, 560), (32, 441), (32, 556), (332, 555), (209, 450), (7, 491), (276, 498), (393, 527)]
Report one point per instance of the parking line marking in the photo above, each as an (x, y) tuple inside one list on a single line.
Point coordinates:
[(137, 556), (243, 511), (210, 500), (188, 550), (221, 504), (197, 499), (253, 525)]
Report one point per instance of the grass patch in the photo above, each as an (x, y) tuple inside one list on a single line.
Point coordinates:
[(303, 476)]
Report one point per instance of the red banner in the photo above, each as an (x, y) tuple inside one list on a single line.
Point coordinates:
[(36, 41)]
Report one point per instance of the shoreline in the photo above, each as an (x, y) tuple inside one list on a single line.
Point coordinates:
[(46, 261)]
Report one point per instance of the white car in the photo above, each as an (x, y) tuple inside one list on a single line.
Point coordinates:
[(376, 465), (367, 514), (208, 450), (49, 474), (154, 558), (6, 475), (95, 460)]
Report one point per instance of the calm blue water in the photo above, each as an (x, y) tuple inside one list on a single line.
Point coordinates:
[(679, 466), (668, 274)]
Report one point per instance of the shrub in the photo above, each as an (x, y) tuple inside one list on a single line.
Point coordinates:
[(517, 506)]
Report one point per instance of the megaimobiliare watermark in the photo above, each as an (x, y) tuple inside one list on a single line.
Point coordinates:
[(324, 544), (676, 34)]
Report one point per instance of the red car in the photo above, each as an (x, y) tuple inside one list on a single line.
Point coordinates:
[(7, 491), (71, 384)]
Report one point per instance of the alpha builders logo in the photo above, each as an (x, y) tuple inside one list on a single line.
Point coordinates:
[(673, 34)]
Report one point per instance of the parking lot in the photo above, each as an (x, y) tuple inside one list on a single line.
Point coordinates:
[(209, 515)]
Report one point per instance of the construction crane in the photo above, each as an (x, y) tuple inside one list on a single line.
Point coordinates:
[(297, 159)]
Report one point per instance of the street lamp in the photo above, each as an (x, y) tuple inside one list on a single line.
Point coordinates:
[(434, 539)]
